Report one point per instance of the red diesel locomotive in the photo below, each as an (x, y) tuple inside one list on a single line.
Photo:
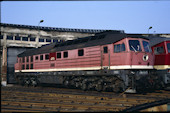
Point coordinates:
[(108, 61), (161, 49)]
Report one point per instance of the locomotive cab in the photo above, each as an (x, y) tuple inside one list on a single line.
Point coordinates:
[(134, 57), (161, 50), (132, 53), (141, 55)]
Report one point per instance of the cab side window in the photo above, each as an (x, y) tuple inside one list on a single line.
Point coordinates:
[(168, 47), (158, 50), (119, 48)]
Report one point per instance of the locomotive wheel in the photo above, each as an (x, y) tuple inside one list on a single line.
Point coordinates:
[(34, 82), (90, 86), (119, 86), (84, 87), (27, 82), (20, 81), (99, 86), (161, 86), (77, 84), (66, 83)]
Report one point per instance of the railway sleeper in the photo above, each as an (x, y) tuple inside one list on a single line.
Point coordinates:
[(67, 96), (22, 109), (56, 106), (78, 101), (82, 101)]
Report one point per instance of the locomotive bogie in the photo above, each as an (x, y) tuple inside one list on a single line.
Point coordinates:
[(165, 77)]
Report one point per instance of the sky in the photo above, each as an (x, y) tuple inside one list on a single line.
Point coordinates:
[(131, 16)]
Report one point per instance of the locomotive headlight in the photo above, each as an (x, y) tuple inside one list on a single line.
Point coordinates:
[(145, 57)]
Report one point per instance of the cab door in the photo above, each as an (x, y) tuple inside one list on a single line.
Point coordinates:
[(106, 57)]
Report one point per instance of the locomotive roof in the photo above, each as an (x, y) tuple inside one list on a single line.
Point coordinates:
[(157, 40), (35, 51), (98, 39)]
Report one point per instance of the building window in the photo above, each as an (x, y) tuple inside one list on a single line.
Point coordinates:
[(48, 40), (1, 36), (80, 52), (47, 57), (41, 40), (24, 38), (58, 55), (9, 37), (55, 40), (17, 38), (65, 55), (41, 57), (32, 39), (36, 58), (61, 40), (105, 49)]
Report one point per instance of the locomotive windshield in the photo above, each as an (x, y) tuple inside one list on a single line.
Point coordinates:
[(168, 47), (134, 45), (146, 46)]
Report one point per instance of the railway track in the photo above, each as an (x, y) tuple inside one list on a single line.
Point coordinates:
[(19, 99)]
